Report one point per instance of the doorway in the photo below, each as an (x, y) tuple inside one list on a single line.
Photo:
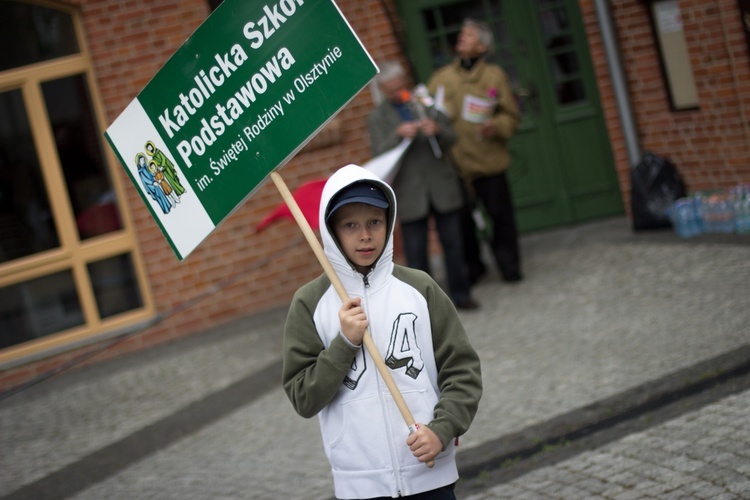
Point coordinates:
[(563, 170)]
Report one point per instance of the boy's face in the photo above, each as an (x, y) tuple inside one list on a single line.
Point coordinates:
[(361, 232)]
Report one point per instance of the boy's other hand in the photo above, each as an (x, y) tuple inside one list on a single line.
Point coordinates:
[(353, 320), (424, 444)]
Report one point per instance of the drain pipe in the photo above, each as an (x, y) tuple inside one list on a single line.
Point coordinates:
[(604, 16)]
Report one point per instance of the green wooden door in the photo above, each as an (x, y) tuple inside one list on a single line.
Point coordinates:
[(563, 171)]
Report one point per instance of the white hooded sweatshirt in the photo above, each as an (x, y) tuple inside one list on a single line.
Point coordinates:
[(419, 335)]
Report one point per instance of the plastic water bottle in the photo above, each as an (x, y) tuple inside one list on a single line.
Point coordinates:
[(718, 213), (741, 198), (685, 217)]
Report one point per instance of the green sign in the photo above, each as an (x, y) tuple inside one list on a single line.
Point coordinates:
[(243, 94)]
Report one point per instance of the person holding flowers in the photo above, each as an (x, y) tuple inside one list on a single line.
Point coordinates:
[(427, 185)]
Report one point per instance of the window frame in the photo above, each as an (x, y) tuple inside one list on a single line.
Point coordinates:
[(73, 252)]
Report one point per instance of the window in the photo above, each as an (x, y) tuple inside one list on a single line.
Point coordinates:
[(444, 22), (561, 51), (69, 269)]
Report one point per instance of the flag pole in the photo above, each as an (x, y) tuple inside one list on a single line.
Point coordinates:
[(369, 344)]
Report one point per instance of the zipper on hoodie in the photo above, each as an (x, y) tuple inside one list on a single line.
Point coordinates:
[(384, 406)]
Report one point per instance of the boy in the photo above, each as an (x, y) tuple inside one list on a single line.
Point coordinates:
[(418, 333)]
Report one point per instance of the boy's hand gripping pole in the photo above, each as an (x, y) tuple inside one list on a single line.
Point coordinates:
[(339, 287)]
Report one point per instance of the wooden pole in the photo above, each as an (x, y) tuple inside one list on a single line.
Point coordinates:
[(339, 287)]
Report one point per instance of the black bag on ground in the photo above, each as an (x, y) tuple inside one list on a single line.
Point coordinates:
[(656, 184)]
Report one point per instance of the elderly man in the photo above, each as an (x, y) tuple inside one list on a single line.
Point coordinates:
[(478, 98)]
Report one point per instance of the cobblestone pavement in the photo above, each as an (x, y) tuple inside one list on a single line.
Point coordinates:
[(703, 454), (605, 320)]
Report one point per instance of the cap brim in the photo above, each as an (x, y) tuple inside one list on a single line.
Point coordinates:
[(367, 200)]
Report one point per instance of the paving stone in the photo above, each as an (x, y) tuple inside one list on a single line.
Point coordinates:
[(715, 474), (601, 311)]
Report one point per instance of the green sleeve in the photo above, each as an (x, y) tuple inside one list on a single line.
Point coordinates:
[(459, 372), (458, 366), (312, 374)]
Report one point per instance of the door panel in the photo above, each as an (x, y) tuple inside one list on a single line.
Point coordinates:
[(563, 170)]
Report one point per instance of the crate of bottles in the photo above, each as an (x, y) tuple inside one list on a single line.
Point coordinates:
[(712, 212)]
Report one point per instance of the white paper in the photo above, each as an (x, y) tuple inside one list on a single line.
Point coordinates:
[(668, 16), (477, 109), (385, 165)]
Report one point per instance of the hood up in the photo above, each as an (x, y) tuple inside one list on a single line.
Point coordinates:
[(342, 178)]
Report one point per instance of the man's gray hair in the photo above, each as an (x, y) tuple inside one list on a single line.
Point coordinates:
[(388, 71), (484, 32)]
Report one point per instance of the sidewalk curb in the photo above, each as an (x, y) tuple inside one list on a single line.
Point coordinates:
[(603, 414)]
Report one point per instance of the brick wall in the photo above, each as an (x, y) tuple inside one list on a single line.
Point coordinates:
[(241, 272), (238, 271), (233, 250), (710, 145)]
